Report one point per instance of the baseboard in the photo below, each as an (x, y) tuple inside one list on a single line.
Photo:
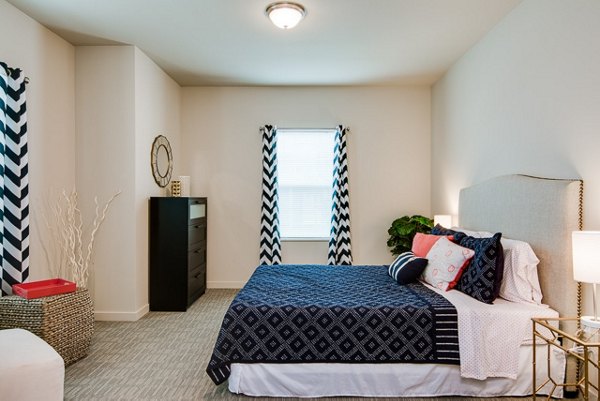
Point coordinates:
[(225, 284), (121, 316)]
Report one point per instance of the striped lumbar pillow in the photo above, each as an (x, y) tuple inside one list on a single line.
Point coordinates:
[(407, 267)]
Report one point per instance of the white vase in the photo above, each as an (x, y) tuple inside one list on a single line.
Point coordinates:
[(185, 185)]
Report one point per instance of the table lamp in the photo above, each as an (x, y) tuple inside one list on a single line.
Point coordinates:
[(586, 266)]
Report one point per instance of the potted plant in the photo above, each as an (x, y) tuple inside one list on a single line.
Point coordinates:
[(403, 231)]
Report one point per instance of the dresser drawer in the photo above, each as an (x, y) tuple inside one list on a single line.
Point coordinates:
[(197, 269), (195, 292), (197, 282), (197, 211), (197, 255), (196, 233)]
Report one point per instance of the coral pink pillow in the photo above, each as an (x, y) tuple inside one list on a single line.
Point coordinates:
[(447, 262), (422, 243)]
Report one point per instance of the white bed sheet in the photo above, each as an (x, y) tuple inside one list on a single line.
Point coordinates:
[(489, 336), (390, 380)]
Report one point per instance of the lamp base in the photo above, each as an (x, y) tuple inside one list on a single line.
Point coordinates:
[(590, 321)]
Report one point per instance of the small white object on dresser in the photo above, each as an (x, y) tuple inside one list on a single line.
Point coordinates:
[(185, 185)]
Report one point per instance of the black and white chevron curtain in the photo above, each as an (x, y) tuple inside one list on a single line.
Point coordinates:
[(14, 182), (270, 242), (340, 251)]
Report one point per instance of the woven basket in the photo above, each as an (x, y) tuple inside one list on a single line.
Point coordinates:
[(64, 321)]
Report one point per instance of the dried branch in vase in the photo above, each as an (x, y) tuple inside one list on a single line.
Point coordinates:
[(68, 258)]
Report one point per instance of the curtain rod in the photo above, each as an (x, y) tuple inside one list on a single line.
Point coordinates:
[(309, 129)]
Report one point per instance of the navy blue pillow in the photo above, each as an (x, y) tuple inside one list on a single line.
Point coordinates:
[(441, 230), (482, 279), (407, 268)]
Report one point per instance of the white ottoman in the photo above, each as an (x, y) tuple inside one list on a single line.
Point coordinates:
[(30, 369)]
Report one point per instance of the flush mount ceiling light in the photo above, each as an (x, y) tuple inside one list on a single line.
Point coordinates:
[(285, 14)]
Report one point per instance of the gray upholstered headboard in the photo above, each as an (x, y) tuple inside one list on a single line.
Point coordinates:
[(540, 211)]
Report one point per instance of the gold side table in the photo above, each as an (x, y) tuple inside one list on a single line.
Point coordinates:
[(577, 345)]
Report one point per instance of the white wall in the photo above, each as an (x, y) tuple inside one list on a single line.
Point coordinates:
[(525, 99), (157, 112), (389, 164), (123, 101), (105, 95), (49, 63)]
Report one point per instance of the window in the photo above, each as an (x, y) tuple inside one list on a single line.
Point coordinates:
[(305, 177)]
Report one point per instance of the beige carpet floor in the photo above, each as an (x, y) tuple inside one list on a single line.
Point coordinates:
[(162, 356)]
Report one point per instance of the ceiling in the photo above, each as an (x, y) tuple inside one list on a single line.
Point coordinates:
[(232, 42)]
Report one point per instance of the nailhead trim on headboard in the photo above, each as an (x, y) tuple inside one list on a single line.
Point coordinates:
[(579, 286)]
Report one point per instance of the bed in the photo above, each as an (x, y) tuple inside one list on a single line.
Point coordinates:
[(300, 362)]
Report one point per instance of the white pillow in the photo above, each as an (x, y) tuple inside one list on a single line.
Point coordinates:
[(520, 282), (446, 264)]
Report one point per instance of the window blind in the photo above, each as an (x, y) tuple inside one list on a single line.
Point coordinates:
[(305, 177)]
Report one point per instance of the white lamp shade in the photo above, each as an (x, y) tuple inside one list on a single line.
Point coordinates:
[(586, 256), (444, 220), (285, 15)]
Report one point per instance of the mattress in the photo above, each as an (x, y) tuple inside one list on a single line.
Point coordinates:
[(391, 380)]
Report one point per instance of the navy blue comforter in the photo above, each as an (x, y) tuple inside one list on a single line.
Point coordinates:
[(346, 314)]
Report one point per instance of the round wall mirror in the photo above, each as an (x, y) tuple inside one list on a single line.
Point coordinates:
[(161, 159)]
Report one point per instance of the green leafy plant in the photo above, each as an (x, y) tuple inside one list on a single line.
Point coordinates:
[(403, 231)]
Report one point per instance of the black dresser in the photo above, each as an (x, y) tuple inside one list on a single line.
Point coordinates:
[(177, 275)]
